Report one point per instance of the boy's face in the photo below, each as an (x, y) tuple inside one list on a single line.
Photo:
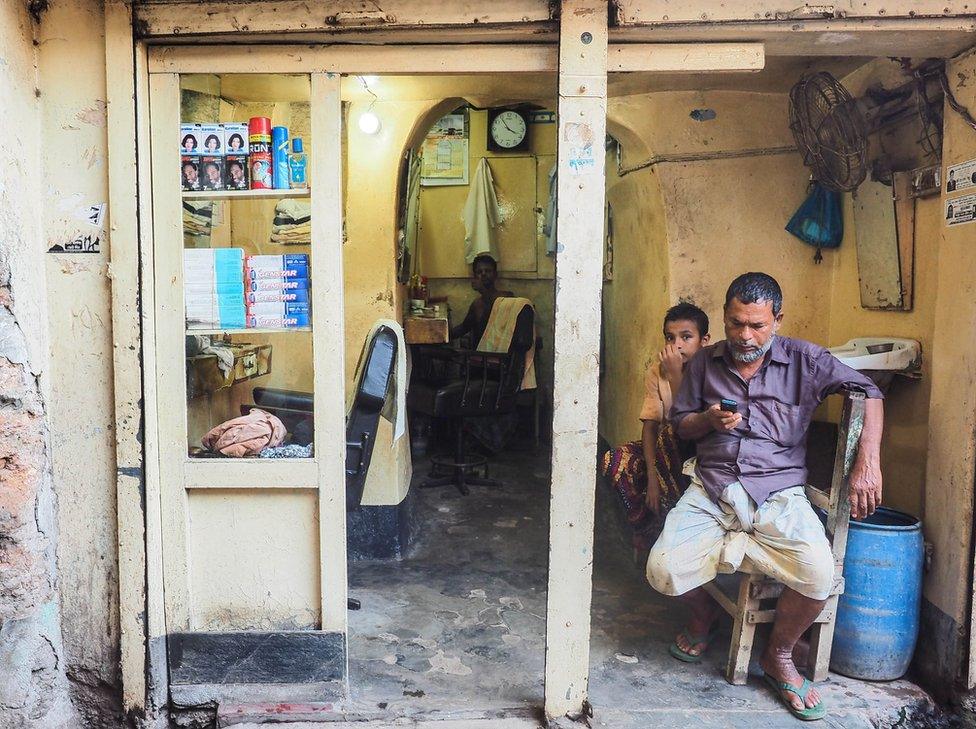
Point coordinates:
[(684, 335)]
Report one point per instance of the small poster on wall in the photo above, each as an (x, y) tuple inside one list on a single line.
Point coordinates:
[(961, 210), (961, 176), (444, 152)]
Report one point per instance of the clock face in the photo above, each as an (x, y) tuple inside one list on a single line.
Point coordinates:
[(508, 129)]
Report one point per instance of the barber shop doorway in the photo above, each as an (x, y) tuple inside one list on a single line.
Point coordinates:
[(448, 552)]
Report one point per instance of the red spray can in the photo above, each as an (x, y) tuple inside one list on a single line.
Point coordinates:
[(259, 144)]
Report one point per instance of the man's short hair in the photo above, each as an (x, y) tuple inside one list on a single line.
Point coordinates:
[(688, 312), (754, 287), (484, 258)]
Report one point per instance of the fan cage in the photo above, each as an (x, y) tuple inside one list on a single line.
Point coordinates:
[(829, 131)]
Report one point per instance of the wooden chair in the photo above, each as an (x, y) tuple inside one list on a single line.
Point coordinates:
[(747, 610)]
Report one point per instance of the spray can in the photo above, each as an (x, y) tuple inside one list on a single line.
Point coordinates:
[(259, 145), (279, 154)]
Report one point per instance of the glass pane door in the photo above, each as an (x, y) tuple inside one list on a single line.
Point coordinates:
[(247, 221)]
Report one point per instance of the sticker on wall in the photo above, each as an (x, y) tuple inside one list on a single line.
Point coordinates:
[(95, 215), (961, 210), (81, 243), (579, 139), (961, 176)]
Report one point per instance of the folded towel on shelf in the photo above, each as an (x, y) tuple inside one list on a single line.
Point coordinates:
[(292, 223)]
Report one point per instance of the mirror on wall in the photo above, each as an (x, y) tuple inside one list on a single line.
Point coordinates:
[(884, 222)]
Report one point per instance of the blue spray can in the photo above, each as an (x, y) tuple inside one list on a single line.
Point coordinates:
[(279, 157)]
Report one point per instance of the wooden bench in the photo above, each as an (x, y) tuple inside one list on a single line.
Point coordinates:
[(747, 609)]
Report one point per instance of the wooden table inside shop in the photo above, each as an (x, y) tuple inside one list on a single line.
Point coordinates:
[(425, 330)]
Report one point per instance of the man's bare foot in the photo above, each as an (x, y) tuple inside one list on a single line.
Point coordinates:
[(779, 664), (704, 611)]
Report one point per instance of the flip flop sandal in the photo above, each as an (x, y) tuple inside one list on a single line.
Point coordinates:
[(811, 713), (703, 640)]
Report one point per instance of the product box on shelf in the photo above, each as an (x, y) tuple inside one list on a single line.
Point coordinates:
[(235, 172), (213, 288), (190, 172), (276, 284), (291, 265), (235, 138), (275, 321), (211, 172), (299, 295), (212, 136), (190, 139), (213, 265)]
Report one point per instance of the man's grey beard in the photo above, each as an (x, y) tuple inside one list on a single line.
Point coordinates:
[(750, 357)]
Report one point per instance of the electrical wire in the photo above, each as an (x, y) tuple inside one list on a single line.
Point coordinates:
[(953, 102)]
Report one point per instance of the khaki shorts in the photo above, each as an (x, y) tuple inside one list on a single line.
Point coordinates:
[(783, 539)]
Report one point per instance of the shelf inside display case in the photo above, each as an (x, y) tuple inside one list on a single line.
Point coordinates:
[(244, 194), (255, 330)]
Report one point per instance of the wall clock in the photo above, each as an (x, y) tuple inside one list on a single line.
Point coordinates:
[(508, 131)]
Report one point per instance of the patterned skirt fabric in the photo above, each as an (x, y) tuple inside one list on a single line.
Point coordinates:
[(627, 473)]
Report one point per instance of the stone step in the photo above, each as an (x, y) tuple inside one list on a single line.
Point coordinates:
[(328, 715)]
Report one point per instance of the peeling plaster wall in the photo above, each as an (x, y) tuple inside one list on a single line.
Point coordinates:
[(73, 175), (33, 684)]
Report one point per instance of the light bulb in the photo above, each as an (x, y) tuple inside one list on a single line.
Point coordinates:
[(369, 123)]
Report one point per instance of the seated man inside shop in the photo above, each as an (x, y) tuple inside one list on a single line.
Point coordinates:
[(484, 273), (747, 402)]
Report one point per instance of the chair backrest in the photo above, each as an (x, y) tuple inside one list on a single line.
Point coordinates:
[(492, 380), (836, 502)]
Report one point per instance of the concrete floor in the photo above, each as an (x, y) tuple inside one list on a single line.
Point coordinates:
[(456, 633)]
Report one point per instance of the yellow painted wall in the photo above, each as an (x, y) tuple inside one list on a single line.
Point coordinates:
[(369, 262), (441, 233), (441, 239), (952, 412), (684, 230), (635, 300), (904, 449), (696, 225)]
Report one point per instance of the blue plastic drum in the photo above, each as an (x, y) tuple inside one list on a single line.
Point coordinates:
[(878, 614)]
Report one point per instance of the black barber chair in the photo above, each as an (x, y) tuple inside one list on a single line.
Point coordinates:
[(294, 408), (482, 385)]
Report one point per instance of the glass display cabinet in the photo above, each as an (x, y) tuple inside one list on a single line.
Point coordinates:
[(248, 349)]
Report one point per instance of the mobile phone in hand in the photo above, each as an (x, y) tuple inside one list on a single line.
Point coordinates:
[(729, 406)]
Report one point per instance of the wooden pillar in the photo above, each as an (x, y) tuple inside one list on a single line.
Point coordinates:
[(581, 192)]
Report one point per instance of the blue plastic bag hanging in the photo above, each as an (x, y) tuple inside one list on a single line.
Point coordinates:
[(819, 221)]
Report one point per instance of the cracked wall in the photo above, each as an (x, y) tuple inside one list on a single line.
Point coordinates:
[(33, 682), (74, 170)]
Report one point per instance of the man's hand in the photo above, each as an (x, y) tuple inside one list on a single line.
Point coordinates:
[(720, 420), (865, 477), (671, 362), (865, 483)]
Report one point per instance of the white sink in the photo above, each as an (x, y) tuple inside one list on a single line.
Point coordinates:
[(890, 354)]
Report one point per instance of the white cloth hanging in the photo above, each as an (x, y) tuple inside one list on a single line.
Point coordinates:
[(481, 215)]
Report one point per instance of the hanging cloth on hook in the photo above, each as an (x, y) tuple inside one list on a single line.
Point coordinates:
[(819, 221)]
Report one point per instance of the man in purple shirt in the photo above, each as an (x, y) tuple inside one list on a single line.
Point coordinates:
[(747, 501)]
